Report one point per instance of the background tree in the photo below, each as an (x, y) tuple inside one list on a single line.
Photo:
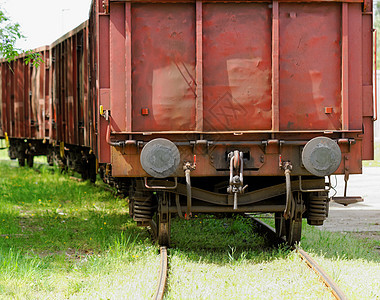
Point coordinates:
[(9, 33)]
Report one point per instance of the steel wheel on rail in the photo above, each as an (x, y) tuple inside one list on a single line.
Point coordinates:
[(291, 228), (293, 231), (30, 160), (163, 219), (21, 161), (294, 223)]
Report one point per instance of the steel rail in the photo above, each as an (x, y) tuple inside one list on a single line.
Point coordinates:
[(159, 295), (329, 283)]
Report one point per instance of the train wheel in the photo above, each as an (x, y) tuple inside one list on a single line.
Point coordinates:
[(92, 168), (30, 160), (294, 223), (293, 231), (50, 158), (21, 161), (163, 220)]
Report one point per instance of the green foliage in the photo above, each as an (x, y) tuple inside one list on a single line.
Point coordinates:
[(9, 34), (33, 58)]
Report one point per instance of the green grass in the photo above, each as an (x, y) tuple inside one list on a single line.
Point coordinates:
[(226, 259), (62, 239)]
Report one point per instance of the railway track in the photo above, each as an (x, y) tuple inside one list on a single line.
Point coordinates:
[(327, 281), (271, 235), (159, 294)]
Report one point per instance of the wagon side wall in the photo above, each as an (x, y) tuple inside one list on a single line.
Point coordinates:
[(71, 109)]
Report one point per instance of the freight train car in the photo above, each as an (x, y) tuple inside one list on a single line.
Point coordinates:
[(24, 107), (72, 132), (231, 106), (204, 107)]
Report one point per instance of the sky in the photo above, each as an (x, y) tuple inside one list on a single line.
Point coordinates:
[(44, 21)]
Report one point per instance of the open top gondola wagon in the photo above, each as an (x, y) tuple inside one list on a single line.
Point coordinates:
[(204, 106), (216, 107), (24, 106)]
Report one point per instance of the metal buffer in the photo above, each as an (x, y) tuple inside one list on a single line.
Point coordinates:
[(236, 175)]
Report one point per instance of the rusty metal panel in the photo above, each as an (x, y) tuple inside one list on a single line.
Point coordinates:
[(237, 66), (1, 101), (275, 67), (367, 91), (11, 102), (83, 112), (59, 93), (74, 90), (37, 100), (100, 53), (118, 64), (367, 42), (35, 89), (368, 139), (104, 51), (163, 76), (19, 100), (5, 97), (70, 97), (199, 66), (367, 3), (29, 130), (70, 106), (61, 117), (53, 95), (355, 76), (310, 66), (47, 112)]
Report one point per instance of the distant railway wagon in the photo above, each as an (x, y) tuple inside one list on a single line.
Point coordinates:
[(212, 107), (73, 104), (25, 107)]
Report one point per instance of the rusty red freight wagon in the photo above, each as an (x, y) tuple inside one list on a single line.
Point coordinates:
[(72, 133), (227, 106), (25, 106)]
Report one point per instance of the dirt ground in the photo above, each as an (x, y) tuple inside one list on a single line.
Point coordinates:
[(363, 218)]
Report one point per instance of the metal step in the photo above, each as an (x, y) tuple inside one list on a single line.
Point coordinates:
[(348, 200)]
